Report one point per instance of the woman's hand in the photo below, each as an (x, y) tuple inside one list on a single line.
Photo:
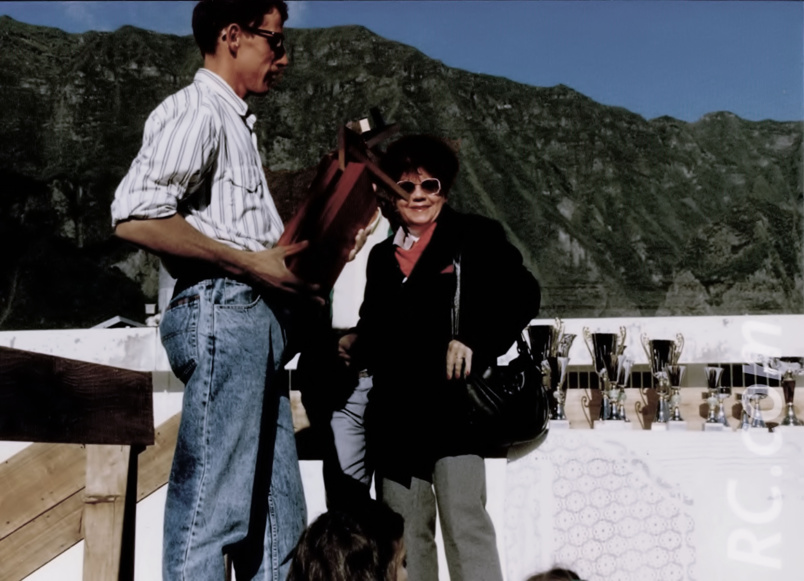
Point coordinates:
[(459, 360), (345, 347)]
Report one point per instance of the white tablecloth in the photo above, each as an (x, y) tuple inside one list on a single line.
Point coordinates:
[(643, 506)]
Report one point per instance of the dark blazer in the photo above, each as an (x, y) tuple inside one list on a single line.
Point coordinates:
[(415, 414)]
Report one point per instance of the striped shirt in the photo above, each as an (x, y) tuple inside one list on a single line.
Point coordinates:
[(199, 158)]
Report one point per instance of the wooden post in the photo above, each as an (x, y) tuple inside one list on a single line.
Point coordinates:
[(105, 510)]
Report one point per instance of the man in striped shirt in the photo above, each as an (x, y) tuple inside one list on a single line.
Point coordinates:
[(196, 196)]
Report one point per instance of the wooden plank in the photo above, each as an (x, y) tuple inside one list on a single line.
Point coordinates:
[(104, 510), (156, 460), (37, 478), (35, 539), (51, 399), (42, 539)]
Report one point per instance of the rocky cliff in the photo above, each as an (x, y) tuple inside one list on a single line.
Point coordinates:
[(617, 215)]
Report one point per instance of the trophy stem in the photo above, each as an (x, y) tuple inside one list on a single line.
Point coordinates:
[(712, 407), (662, 409), (721, 413)]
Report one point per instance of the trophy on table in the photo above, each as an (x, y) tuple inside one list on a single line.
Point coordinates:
[(675, 373), (550, 345), (788, 368), (607, 350), (751, 416), (624, 365), (663, 356), (716, 396)]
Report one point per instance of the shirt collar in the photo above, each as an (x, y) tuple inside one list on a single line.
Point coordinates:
[(222, 89), (404, 240)]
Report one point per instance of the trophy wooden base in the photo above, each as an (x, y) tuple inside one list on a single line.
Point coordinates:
[(613, 425), (559, 425), (713, 427)]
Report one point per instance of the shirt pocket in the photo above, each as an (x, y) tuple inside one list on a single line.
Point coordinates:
[(246, 191)]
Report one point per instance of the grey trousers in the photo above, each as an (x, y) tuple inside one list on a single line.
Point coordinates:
[(459, 489), (349, 431)]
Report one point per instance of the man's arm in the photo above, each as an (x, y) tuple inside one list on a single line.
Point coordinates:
[(179, 243)]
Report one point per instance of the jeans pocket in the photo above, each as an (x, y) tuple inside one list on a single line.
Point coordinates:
[(179, 331), (236, 296)]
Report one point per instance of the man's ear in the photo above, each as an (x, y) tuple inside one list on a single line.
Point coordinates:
[(230, 37)]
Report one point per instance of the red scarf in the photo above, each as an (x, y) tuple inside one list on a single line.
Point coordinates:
[(407, 259)]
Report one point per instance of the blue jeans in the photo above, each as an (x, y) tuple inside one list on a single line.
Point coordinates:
[(235, 486)]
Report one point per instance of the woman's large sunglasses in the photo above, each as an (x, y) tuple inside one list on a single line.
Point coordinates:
[(276, 40), (429, 186)]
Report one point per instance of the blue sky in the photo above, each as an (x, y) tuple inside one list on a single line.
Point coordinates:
[(653, 57)]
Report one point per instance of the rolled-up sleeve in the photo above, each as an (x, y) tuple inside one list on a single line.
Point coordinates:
[(178, 148)]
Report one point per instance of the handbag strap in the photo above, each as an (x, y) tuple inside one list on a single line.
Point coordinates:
[(456, 300)]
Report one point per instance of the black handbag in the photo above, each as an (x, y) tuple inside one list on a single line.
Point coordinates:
[(506, 404)]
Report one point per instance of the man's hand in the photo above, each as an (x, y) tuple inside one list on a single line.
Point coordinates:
[(363, 234), (345, 344), (267, 268), (459, 360)]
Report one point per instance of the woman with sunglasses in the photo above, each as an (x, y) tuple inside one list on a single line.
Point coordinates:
[(423, 450)]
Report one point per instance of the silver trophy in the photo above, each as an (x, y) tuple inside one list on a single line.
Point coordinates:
[(624, 365), (751, 416), (663, 354), (789, 368), (716, 396), (675, 374), (554, 374), (606, 350), (550, 345)]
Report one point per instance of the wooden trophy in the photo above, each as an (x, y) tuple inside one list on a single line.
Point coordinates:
[(342, 199)]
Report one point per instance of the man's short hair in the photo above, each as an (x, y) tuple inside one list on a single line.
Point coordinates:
[(212, 16)]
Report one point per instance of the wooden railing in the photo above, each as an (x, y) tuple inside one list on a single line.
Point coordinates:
[(79, 480)]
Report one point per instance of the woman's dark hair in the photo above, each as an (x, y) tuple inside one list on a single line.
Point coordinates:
[(212, 16), (555, 574), (428, 152), (408, 154), (358, 545)]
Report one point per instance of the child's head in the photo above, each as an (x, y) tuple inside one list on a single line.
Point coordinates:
[(555, 574), (362, 544)]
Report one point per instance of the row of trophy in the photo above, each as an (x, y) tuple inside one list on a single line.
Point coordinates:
[(550, 345)]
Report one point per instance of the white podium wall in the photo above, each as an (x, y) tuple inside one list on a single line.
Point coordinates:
[(536, 525)]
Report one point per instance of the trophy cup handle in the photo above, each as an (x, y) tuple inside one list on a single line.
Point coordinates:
[(638, 407), (587, 340), (680, 347), (643, 394), (585, 403), (621, 341), (559, 326), (646, 346)]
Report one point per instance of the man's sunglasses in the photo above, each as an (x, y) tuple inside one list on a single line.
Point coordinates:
[(276, 40), (429, 186)]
